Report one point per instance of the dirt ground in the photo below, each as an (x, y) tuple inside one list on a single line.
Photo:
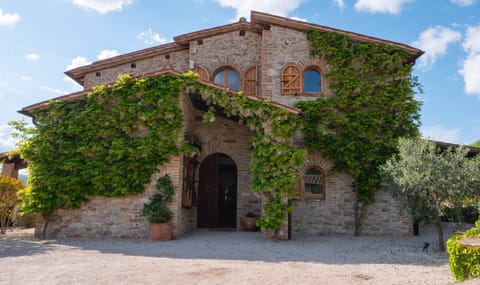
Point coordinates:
[(218, 257)]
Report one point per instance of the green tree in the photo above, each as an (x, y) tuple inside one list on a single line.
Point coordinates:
[(9, 188), (423, 177)]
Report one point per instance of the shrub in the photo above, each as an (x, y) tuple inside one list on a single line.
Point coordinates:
[(464, 260), (8, 200), (464, 214), (156, 210)]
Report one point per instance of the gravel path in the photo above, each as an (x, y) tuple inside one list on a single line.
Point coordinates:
[(216, 257)]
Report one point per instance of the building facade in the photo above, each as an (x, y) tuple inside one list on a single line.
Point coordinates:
[(267, 58)]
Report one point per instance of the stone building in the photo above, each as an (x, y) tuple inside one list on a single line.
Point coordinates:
[(267, 57)]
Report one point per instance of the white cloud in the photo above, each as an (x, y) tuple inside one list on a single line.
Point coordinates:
[(440, 133), (7, 19), (434, 41), (471, 74), (104, 54), (471, 65), (339, 3), (77, 62), (463, 3), (299, 19), (54, 90), (150, 37), (381, 6), (25, 77), (471, 44), (103, 6), (6, 140), (32, 57), (277, 7)]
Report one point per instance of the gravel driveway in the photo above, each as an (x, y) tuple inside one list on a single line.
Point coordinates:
[(219, 257)]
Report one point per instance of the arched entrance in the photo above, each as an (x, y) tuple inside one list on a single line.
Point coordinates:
[(217, 193)]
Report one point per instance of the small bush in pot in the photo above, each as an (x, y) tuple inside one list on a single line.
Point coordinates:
[(249, 222), (157, 212)]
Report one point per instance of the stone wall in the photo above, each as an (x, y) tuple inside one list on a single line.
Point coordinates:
[(233, 139), (383, 217), (177, 60), (280, 47), (108, 217), (330, 215), (8, 169), (228, 49), (270, 51)]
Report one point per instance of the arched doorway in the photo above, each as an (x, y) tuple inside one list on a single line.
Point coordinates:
[(217, 193)]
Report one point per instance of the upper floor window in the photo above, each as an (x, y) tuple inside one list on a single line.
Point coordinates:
[(227, 77), (312, 80), (296, 81)]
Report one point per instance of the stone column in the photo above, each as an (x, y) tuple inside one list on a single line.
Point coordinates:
[(8, 169)]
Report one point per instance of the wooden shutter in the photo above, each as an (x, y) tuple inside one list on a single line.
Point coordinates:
[(204, 75), (250, 82), (291, 81)]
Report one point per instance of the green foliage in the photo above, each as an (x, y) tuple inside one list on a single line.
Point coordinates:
[(107, 144), (372, 107), (275, 161), (464, 260), (459, 213), (156, 210), (476, 144), (9, 188), (423, 177)]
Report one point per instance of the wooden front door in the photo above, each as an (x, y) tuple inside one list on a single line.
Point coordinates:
[(217, 197)]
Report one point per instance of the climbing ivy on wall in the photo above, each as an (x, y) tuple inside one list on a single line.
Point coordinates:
[(111, 142), (275, 161), (372, 107), (107, 144)]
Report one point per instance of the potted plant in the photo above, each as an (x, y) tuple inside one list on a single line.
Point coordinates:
[(157, 212), (249, 222)]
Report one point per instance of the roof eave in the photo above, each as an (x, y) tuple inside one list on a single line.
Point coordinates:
[(259, 18), (78, 73), (28, 111)]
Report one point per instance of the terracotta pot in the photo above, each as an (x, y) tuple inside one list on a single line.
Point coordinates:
[(160, 232), (249, 223)]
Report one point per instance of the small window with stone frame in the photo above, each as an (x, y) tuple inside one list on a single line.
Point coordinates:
[(314, 183)]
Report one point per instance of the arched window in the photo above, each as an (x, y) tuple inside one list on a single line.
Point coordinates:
[(312, 80), (314, 183), (227, 77)]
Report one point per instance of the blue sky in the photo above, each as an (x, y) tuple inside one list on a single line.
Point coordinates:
[(39, 40)]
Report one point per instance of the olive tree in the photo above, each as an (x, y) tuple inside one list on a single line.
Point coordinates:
[(9, 188), (423, 177)]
